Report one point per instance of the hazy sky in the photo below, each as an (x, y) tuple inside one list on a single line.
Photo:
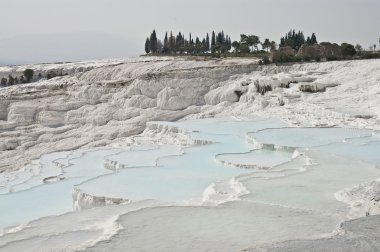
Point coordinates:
[(54, 30)]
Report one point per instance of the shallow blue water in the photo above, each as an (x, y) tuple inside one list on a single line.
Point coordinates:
[(176, 177)]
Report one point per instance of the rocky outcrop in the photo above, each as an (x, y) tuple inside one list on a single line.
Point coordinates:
[(141, 101), (3, 110), (331, 50), (310, 51), (221, 94), (51, 118), (364, 199), (312, 88), (82, 201), (318, 51), (180, 98), (172, 135), (315, 87), (22, 113), (268, 146)]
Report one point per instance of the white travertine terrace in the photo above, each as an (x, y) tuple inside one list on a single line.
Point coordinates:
[(104, 137)]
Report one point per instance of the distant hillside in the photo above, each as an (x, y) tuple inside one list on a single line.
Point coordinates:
[(62, 47)]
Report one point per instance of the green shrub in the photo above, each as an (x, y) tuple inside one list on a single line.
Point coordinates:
[(331, 58), (369, 55), (265, 60), (283, 58), (11, 80), (28, 73), (4, 81), (306, 58), (348, 50)]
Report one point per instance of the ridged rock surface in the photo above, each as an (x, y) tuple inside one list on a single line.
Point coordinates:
[(104, 105), (111, 102)]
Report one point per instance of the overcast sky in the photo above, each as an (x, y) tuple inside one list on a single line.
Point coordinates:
[(63, 30)]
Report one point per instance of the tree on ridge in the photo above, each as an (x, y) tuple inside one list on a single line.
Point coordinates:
[(147, 46), (28, 73), (153, 42)]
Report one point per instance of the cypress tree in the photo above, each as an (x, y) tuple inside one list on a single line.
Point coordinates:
[(204, 46), (213, 42), (302, 38), (207, 43), (179, 43), (166, 43), (191, 46), (313, 39), (176, 43), (282, 42), (147, 46), (226, 43), (295, 39), (171, 42), (298, 39), (219, 38), (153, 42), (308, 40)]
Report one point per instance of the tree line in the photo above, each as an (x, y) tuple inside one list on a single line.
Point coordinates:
[(295, 39), (25, 78), (219, 43), (179, 44), (250, 44)]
